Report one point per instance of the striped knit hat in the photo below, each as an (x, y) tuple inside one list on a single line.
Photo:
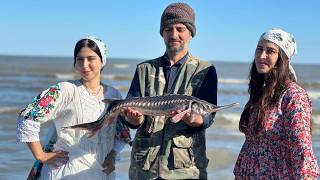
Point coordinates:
[(178, 13)]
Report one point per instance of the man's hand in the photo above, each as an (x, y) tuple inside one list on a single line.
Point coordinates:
[(109, 162), (134, 117), (191, 119)]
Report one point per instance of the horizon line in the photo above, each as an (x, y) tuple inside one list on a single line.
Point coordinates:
[(144, 59)]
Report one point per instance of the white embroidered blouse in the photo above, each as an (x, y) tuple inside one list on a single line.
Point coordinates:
[(66, 104)]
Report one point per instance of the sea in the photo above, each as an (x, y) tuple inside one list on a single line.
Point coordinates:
[(23, 77)]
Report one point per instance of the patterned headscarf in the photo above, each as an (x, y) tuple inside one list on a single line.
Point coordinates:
[(285, 41), (102, 47)]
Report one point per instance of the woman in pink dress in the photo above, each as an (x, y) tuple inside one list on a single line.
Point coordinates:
[(276, 120)]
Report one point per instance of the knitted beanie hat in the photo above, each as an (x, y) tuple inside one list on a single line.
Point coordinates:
[(178, 13)]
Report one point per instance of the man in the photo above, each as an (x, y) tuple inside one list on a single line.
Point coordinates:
[(162, 149)]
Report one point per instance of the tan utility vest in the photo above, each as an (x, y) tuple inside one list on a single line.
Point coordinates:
[(161, 148)]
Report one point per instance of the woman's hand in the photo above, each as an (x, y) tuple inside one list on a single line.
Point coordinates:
[(109, 162), (55, 159)]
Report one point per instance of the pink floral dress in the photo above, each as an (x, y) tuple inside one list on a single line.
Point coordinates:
[(283, 150)]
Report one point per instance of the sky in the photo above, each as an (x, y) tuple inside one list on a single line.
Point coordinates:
[(227, 30)]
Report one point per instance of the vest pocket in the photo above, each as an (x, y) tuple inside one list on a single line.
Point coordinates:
[(182, 152), (144, 153), (140, 157)]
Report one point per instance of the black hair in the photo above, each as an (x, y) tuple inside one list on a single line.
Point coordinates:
[(86, 43)]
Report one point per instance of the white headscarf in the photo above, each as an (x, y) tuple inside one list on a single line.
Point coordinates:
[(102, 47), (285, 41)]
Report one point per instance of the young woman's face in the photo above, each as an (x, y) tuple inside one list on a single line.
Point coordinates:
[(88, 64), (266, 56)]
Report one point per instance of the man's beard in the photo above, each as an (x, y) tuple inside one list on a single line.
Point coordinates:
[(174, 49)]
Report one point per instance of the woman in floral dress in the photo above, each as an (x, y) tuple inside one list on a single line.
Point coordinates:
[(70, 153), (276, 120)]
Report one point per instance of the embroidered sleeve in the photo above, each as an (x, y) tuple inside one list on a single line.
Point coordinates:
[(297, 124), (40, 110)]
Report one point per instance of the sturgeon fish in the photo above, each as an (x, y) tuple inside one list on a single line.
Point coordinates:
[(154, 106)]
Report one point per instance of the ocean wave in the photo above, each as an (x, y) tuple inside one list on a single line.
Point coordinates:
[(230, 121), (232, 118), (123, 89), (68, 76), (316, 120), (315, 125), (310, 85), (242, 92), (116, 77), (314, 94), (304, 83), (233, 81), (121, 66), (8, 109), (65, 76), (227, 123)]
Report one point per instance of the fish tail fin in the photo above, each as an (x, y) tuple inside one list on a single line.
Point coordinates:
[(218, 108), (92, 127)]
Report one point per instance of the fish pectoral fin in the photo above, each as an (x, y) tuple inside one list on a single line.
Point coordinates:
[(112, 118), (176, 118)]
